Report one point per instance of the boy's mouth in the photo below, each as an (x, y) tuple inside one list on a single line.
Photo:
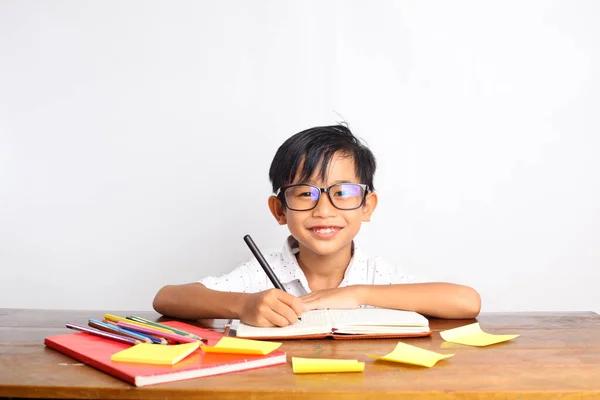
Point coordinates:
[(325, 231)]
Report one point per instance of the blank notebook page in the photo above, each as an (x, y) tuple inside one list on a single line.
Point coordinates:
[(376, 317)]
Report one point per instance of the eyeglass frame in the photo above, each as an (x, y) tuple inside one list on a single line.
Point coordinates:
[(280, 194)]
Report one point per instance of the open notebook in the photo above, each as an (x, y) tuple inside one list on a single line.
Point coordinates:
[(362, 323)]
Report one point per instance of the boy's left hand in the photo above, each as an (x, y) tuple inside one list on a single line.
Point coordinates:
[(341, 298)]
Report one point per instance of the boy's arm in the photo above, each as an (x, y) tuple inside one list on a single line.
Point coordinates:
[(440, 300), (195, 301)]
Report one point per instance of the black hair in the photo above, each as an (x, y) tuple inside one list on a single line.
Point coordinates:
[(319, 144)]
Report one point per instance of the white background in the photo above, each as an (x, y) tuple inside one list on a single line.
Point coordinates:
[(136, 136)]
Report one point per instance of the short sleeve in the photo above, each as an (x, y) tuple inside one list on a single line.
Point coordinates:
[(247, 278), (390, 274)]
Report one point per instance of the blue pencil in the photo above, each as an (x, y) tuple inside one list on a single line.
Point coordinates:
[(154, 339)]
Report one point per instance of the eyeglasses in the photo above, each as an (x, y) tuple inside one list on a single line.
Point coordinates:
[(343, 196)]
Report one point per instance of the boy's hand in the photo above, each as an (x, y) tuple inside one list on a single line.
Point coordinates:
[(344, 298), (272, 307)]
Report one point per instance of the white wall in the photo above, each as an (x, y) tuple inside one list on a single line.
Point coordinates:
[(131, 131)]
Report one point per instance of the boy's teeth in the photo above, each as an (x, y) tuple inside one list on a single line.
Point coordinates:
[(324, 230)]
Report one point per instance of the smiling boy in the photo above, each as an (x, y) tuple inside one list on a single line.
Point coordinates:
[(323, 191)]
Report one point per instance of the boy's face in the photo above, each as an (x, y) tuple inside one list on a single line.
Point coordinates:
[(326, 230)]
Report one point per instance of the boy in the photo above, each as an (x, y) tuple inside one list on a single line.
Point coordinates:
[(323, 184)]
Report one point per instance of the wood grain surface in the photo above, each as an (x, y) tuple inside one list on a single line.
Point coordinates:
[(556, 356)]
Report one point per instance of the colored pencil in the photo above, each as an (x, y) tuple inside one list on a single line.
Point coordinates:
[(152, 338), (115, 330), (149, 330), (114, 319), (102, 334), (157, 325)]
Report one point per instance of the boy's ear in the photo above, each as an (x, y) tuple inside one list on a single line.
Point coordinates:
[(369, 206), (277, 210)]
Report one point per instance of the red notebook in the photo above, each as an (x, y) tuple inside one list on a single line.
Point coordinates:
[(96, 352)]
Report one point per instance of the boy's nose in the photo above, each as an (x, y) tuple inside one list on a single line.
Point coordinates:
[(324, 207)]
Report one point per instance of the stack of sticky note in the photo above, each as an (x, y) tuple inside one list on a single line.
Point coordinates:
[(147, 353)]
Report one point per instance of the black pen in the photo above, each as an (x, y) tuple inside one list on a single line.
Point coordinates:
[(264, 264)]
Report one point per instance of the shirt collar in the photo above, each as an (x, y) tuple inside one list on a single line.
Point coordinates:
[(353, 271), (289, 270)]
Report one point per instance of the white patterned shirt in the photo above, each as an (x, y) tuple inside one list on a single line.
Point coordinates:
[(251, 278)]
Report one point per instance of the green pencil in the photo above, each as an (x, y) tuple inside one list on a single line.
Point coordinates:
[(152, 323)]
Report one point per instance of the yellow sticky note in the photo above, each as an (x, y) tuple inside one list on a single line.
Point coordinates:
[(147, 353), (472, 335), (241, 346), (407, 354), (316, 365)]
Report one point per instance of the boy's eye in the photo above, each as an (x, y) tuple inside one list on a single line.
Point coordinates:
[(303, 193), (347, 191)]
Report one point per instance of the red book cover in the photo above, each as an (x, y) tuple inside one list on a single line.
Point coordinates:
[(96, 352)]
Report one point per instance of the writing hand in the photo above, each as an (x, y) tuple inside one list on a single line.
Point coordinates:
[(272, 307), (341, 298)]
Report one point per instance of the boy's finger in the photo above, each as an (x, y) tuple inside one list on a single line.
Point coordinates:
[(276, 319), (294, 302), (286, 311), (299, 306), (286, 297)]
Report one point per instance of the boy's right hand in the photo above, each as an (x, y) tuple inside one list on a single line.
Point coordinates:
[(272, 307)]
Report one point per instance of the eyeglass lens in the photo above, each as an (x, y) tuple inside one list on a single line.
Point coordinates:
[(345, 196)]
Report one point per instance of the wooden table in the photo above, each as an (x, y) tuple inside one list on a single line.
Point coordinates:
[(556, 356)]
